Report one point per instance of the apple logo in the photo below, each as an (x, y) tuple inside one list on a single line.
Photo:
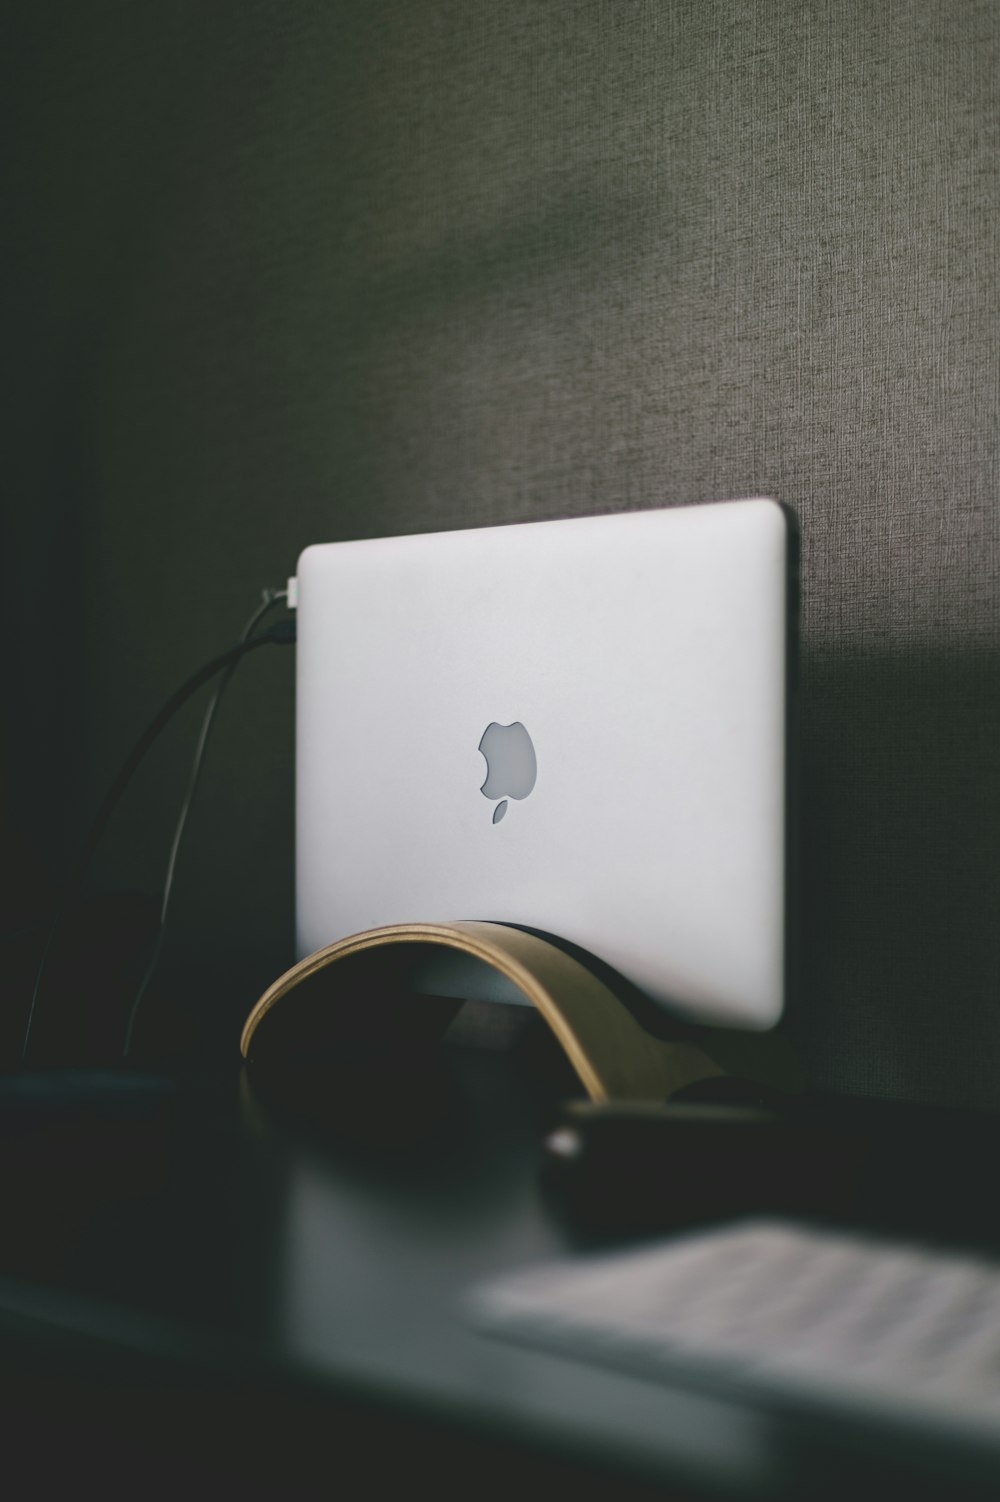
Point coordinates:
[(510, 764)]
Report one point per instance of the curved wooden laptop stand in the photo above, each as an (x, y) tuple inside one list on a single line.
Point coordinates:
[(614, 1056)]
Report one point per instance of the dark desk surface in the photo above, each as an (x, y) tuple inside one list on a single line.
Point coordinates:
[(184, 1273)]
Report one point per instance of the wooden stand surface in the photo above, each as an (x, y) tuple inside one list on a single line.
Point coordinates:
[(614, 1056)]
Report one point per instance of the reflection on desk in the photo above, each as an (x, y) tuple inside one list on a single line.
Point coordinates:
[(186, 1279)]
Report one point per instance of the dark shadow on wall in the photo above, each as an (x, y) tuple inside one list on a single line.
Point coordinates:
[(900, 854), (557, 237), (41, 607)]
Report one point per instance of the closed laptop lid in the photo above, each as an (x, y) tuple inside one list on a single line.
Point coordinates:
[(578, 726)]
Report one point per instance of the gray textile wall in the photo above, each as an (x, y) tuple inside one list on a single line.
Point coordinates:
[(289, 272)]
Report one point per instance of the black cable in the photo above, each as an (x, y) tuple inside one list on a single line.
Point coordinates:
[(270, 598), (281, 634)]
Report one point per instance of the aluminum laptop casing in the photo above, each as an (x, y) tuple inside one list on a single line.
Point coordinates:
[(646, 654)]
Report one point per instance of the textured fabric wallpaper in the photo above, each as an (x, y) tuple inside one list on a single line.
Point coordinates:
[(291, 272)]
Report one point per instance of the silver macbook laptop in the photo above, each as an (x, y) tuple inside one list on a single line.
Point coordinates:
[(577, 726)]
